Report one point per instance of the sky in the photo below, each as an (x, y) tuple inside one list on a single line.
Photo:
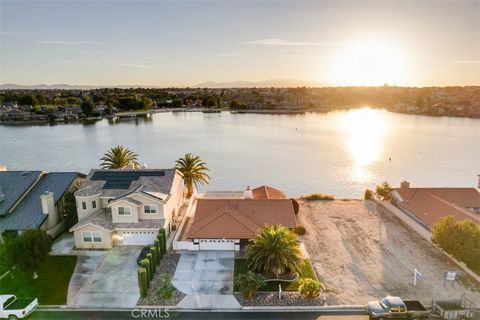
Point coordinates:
[(183, 43)]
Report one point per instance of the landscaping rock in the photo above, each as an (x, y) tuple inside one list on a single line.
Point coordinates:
[(168, 264), (271, 299)]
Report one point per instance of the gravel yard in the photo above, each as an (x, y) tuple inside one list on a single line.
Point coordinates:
[(168, 264), (271, 299), (362, 252)]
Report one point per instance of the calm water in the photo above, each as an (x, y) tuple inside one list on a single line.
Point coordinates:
[(339, 152)]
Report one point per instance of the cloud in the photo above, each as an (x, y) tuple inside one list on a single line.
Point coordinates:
[(67, 42), (222, 55), (467, 61), (299, 56), (283, 42), (114, 64)]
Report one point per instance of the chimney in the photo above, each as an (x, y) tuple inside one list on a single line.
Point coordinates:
[(248, 194), (48, 208), (478, 186), (405, 185)]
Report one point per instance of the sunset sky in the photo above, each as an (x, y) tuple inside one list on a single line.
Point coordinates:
[(160, 43)]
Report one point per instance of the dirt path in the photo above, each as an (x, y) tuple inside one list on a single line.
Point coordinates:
[(363, 252)]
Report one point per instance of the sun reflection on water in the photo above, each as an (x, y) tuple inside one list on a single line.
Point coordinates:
[(365, 130)]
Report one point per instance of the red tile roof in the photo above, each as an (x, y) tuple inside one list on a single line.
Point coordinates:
[(266, 192), (238, 218), (432, 204)]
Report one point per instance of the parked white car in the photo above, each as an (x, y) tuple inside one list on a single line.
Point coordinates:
[(12, 308)]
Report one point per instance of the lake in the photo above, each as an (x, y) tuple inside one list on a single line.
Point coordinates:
[(340, 153)]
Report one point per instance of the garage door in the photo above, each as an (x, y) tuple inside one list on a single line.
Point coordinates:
[(138, 238), (216, 244)]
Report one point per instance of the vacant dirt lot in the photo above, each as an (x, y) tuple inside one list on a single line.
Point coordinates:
[(362, 252)]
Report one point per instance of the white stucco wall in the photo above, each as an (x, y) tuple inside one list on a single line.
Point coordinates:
[(82, 213), (132, 218)]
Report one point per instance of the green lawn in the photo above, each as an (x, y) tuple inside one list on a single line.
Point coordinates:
[(306, 271), (50, 287)]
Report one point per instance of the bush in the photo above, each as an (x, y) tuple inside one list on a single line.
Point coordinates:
[(142, 282), (383, 190), (146, 265), (368, 194), (162, 237), (248, 283), (300, 230), (310, 288), (461, 239), (152, 264), (318, 196), (167, 289), (156, 243), (296, 206), (156, 257), (30, 249)]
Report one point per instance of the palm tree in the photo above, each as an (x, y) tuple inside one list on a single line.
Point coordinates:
[(273, 250), (119, 157), (194, 171)]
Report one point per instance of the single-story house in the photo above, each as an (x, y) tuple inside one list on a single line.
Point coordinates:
[(35, 200), (126, 206), (428, 205), (227, 220)]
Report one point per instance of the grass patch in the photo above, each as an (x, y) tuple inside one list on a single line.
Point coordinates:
[(51, 286), (306, 271), (318, 196)]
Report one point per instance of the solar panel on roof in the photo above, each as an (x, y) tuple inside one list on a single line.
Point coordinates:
[(123, 179)]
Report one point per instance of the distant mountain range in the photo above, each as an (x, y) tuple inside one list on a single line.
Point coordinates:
[(207, 84)]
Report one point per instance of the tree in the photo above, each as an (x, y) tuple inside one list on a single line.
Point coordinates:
[(7, 251), (368, 194), (236, 104), (273, 250), (31, 248), (27, 100), (88, 108), (384, 190), (310, 288), (194, 172), (461, 239), (119, 157), (248, 283)]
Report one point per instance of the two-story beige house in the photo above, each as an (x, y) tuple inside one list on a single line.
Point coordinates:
[(126, 207)]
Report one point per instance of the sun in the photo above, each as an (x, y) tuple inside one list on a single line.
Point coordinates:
[(370, 63)]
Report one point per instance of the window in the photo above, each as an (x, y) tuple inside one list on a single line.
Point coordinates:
[(124, 211), (94, 204), (84, 205), (150, 209), (93, 236)]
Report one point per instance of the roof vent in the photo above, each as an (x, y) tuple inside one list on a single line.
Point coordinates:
[(2, 197), (24, 173)]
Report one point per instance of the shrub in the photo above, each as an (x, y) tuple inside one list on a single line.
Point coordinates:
[(152, 265), (146, 265), (383, 190), (162, 237), (248, 283), (461, 239), (300, 230), (30, 249), (318, 196), (296, 206), (142, 282), (156, 257), (273, 250), (167, 289), (368, 194), (156, 243), (310, 288)]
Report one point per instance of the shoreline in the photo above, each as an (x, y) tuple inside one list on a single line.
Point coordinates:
[(135, 114)]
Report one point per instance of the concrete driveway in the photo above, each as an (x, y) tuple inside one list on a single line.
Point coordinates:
[(106, 281), (205, 273)]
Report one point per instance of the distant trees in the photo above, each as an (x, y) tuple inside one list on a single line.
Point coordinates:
[(237, 104), (119, 157), (27, 100), (461, 239), (88, 108)]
